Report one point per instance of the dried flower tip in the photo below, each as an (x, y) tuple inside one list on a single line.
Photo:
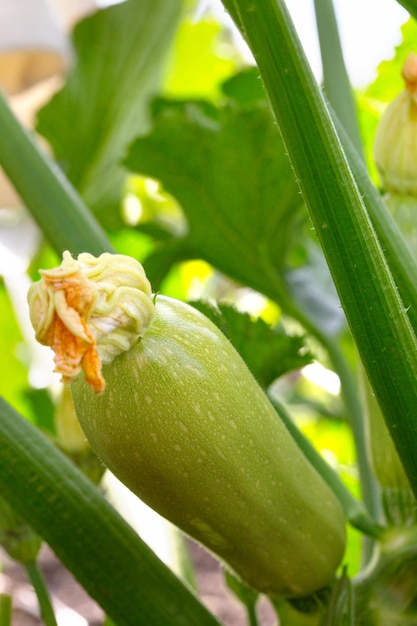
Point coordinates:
[(89, 311), (409, 73)]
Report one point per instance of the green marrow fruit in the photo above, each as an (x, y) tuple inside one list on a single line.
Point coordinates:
[(184, 424)]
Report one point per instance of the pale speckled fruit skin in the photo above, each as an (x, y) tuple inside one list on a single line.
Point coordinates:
[(186, 427)]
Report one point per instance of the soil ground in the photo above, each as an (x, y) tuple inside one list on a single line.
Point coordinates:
[(75, 608)]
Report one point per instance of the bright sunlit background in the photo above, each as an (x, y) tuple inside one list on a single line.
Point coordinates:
[(369, 29)]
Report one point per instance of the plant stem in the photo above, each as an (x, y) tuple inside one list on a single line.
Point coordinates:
[(349, 384), (398, 254), (60, 212), (38, 581), (340, 96), (354, 510), (336, 80), (365, 520), (339, 93), (5, 610), (252, 617), (369, 486)]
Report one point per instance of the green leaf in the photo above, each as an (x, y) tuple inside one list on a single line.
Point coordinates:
[(119, 61), (245, 88), (228, 169), (12, 386), (198, 62), (268, 352), (42, 409), (102, 551), (161, 260)]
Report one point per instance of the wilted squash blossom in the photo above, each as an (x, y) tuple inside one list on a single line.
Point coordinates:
[(395, 153), (395, 144), (183, 423), (112, 293)]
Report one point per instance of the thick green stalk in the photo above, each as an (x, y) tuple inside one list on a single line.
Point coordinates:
[(400, 259), (60, 212), (384, 461), (401, 262), (336, 82), (42, 593), (376, 314), (339, 94), (102, 551)]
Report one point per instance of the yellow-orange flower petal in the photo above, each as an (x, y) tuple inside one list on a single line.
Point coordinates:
[(90, 310)]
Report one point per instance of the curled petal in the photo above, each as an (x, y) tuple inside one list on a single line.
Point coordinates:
[(90, 310)]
